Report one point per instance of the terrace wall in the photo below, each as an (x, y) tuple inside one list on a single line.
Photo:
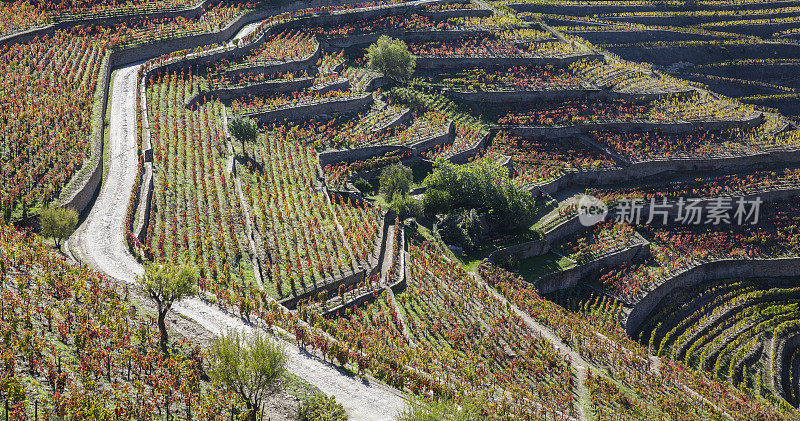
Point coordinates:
[(556, 132), (432, 35), (502, 97), (453, 62), (464, 156), (329, 106), (646, 169), (703, 272), (269, 87), (26, 35), (278, 66), (569, 278)]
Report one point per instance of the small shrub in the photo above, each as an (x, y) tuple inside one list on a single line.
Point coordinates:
[(321, 408), (363, 186), (58, 223), (406, 206)]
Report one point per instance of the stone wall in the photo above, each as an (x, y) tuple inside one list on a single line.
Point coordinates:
[(646, 169), (464, 156), (328, 106), (335, 156), (80, 191), (49, 29), (452, 62), (589, 94), (443, 138), (520, 251), (262, 88), (145, 201), (433, 35), (569, 278), (462, 13), (277, 66), (707, 271), (556, 132)]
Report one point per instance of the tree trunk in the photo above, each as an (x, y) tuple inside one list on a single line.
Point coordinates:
[(162, 329), (251, 411)]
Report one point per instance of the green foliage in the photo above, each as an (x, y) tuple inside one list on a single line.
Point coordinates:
[(58, 223), (460, 229), (363, 186), (321, 408), (391, 57), (166, 284), (482, 183), (250, 368), (406, 206), (243, 129), (438, 411), (395, 180), (437, 201)]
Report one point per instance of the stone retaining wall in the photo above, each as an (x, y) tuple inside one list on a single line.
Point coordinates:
[(80, 191), (556, 132), (596, 94), (643, 170), (444, 138), (436, 63), (263, 88), (703, 272), (406, 35), (49, 29), (329, 106), (464, 156), (277, 66), (145, 201), (336, 156), (457, 13), (569, 278)]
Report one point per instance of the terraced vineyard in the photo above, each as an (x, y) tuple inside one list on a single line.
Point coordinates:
[(395, 193)]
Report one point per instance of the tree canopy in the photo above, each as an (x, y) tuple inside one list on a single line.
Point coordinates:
[(395, 180), (165, 285), (58, 223), (250, 368), (391, 57), (481, 183)]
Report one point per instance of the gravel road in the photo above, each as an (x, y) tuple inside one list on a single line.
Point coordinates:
[(99, 242)]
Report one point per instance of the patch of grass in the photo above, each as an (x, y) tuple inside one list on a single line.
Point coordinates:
[(534, 267)]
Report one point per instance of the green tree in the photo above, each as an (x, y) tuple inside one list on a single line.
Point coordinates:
[(395, 179), (483, 183), (165, 285), (392, 58), (406, 206), (244, 130), (249, 368), (321, 408), (437, 201), (58, 223)]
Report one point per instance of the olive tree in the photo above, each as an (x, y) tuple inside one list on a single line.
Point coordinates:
[(391, 57), (244, 130), (395, 180), (58, 223), (166, 285), (250, 368)]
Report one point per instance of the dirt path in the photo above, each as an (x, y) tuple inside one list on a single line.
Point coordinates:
[(578, 363), (99, 242)]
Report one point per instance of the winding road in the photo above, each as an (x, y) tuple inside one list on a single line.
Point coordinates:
[(100, 243)]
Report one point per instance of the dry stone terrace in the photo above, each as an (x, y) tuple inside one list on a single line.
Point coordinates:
[(478, 282)]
